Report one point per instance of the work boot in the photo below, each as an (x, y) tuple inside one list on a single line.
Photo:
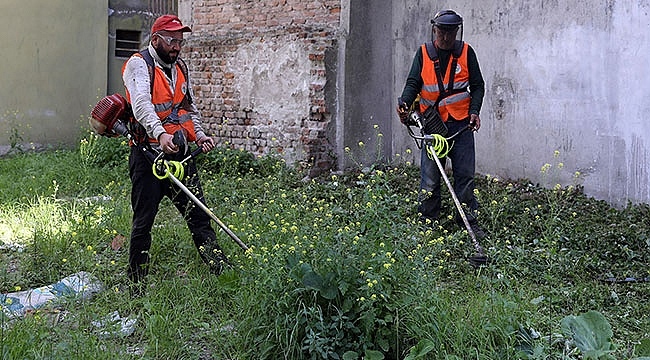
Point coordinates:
[(137, 290), (218, 267), (216, 260), (473, 224)]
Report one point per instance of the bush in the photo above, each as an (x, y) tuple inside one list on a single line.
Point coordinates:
[(103, 152), (225, 161)]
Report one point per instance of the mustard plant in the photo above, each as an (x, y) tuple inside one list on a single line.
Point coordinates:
[(338, 267)]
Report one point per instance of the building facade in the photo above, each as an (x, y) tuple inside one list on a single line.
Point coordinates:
[(264, 75), (316, 81)]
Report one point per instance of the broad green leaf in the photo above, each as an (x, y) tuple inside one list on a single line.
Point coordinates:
[(643, 349), (312, 280), (329, 290), (305, 268), (422, 348), (293, 260), (350, 355), (591, 333), (373, 355)]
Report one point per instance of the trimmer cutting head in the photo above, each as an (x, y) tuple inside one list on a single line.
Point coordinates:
[(478, 260)]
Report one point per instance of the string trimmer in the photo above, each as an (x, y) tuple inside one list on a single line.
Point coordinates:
[(173, 170), (433, 131), (108, 119)]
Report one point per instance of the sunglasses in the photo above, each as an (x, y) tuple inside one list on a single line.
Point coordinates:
[(170, 40)]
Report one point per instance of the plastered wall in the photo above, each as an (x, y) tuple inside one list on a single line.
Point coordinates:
[(566, 84), (260, 75), (570, 79), (566, 81), (54, 68)]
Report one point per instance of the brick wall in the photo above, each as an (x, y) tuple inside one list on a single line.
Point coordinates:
[(259, 75)]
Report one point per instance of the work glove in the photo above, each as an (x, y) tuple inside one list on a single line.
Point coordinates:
[(403, 112), (474, 122)]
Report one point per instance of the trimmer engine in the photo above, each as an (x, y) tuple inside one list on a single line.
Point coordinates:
[(107, 115)]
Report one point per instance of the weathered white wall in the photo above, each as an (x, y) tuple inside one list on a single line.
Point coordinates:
[(565, 75), (273, 79), (560, 75)]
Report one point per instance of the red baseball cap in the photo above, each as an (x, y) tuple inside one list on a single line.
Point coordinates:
[(169, 23)]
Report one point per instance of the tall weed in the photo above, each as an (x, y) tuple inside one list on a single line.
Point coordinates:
[(338, 266)]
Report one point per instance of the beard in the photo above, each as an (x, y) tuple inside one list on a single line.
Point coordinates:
[(168, 57)]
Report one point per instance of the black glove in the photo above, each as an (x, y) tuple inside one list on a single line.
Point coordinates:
[(181, 141), (403, 112)]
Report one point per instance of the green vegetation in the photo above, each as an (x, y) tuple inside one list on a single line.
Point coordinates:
[(338, 267)]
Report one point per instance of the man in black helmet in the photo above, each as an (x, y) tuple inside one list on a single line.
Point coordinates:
[(445, 74)]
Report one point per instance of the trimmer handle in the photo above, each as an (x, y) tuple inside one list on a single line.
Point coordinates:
[(198, 151), (195, 153), (181, 141)]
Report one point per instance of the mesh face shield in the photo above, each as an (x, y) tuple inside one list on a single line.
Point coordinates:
[(447, 20)]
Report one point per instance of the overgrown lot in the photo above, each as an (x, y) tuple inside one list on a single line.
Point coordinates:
[(338, 267)]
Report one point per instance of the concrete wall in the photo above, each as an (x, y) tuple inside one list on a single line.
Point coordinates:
[(310, 78), (54, 68), (560, 75), (369, 68), (125, 15), (314, 79)]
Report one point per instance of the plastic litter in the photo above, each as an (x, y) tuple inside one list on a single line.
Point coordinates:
[(78, 286), (113, 325)]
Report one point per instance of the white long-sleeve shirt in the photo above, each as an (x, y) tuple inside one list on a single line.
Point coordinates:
[(137, 82)]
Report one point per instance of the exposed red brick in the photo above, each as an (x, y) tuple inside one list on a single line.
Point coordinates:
[(220, 28)]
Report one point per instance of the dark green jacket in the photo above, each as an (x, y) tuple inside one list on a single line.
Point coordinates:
[(476, 83)]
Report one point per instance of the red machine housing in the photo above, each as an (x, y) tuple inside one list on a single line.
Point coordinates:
[(107, 112)]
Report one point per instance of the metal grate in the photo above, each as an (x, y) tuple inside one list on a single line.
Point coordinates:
[(127, 43), (162, 7)]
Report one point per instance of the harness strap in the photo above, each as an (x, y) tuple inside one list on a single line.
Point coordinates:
[(136, 128), (152, 69), (150, 66), (433, 55)]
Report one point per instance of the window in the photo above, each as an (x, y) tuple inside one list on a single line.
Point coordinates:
[(127, 43)]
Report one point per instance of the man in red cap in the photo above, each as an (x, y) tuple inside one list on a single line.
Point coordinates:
[(158, 88)]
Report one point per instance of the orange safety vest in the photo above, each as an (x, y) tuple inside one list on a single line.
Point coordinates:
[(456, 104), (167, 104)]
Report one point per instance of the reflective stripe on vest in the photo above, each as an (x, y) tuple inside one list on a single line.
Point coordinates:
[(167, 105), (457, 104), (175, 117)]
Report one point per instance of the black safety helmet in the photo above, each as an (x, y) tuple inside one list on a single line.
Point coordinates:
[(448, 20)]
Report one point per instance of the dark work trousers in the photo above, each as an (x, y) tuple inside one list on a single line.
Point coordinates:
[(147, 192), (462, 158)]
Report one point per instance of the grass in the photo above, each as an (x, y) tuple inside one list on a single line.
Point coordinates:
[(338, 267)]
